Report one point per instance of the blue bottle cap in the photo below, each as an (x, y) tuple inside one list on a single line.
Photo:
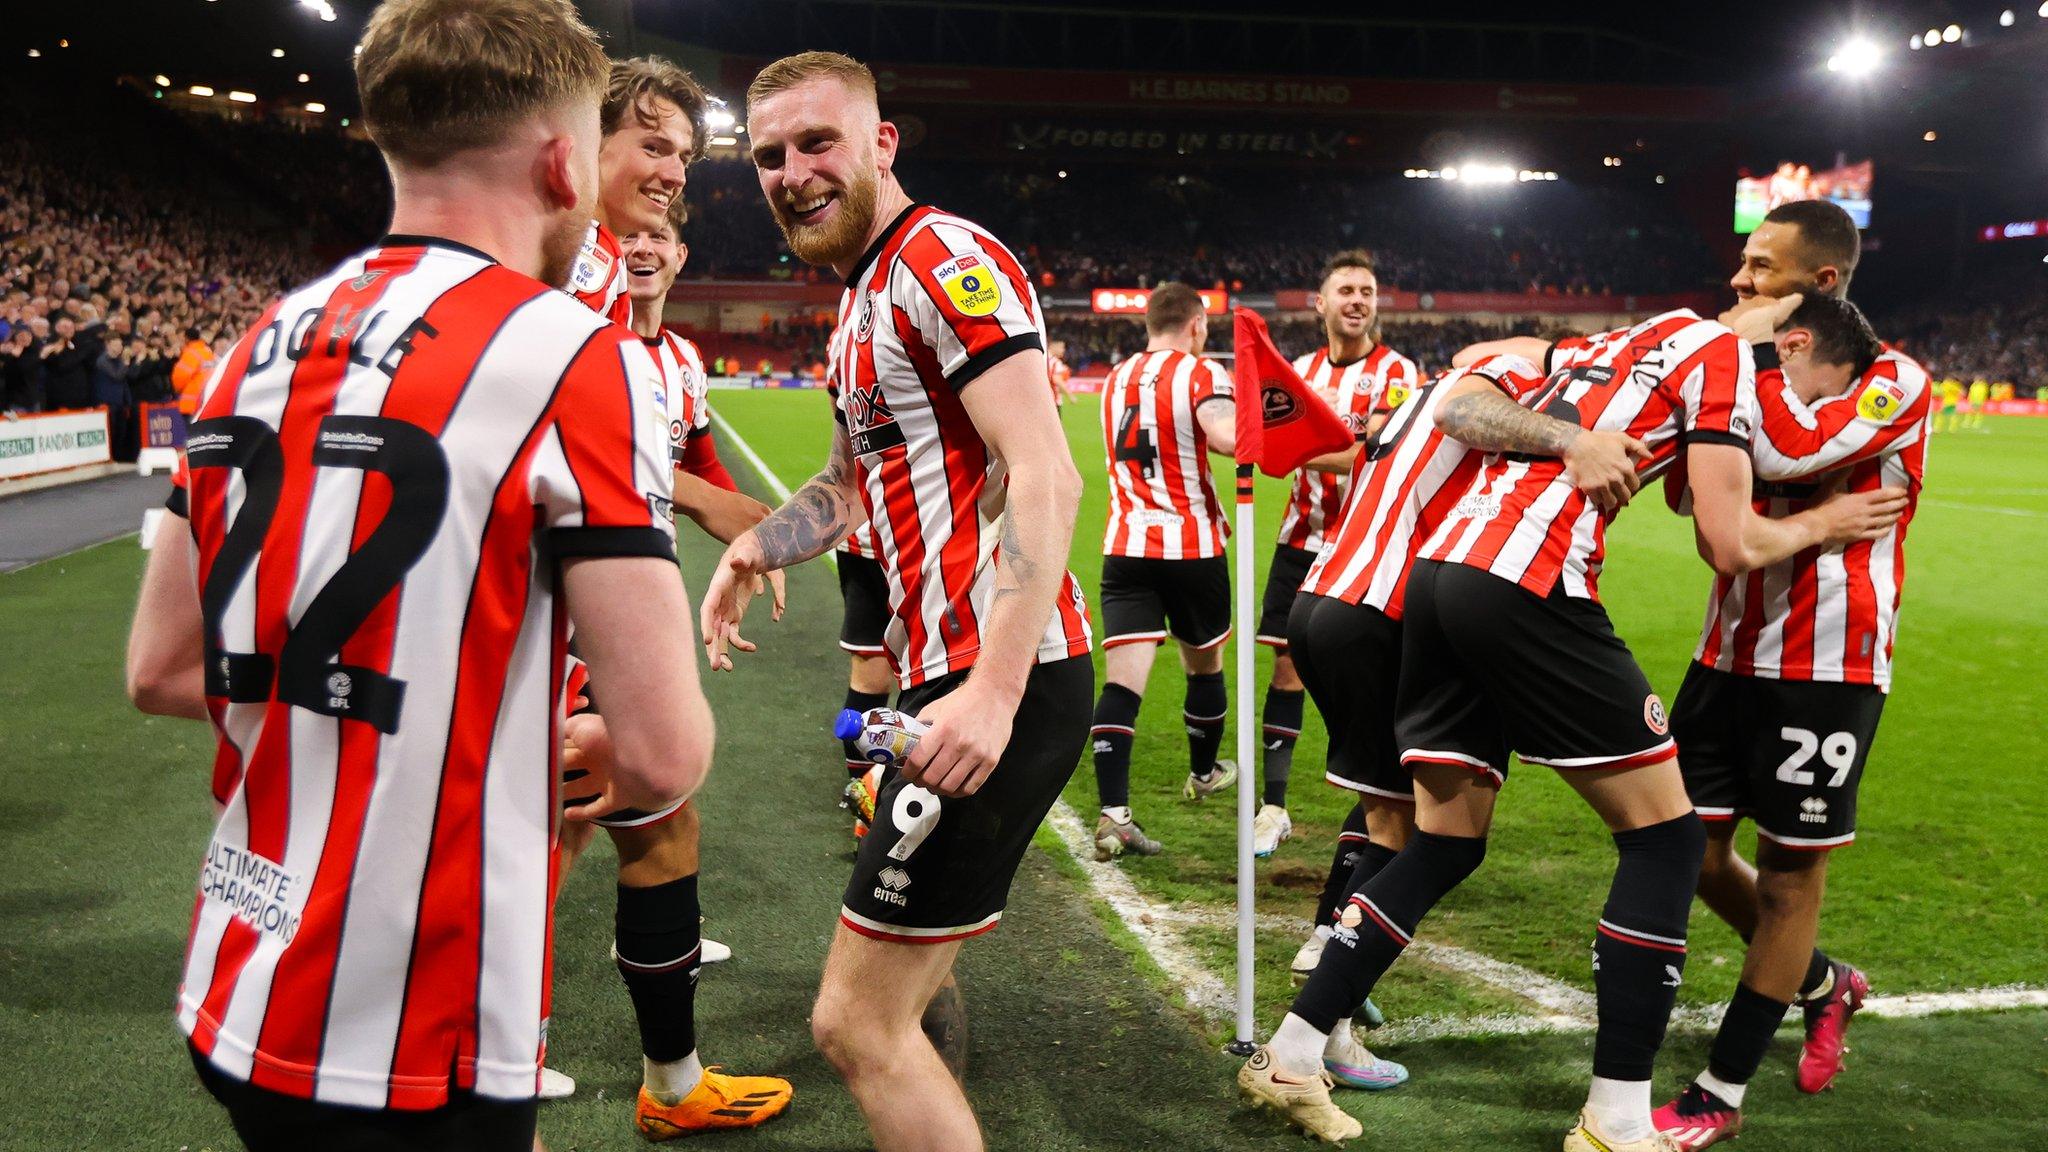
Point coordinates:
[(849, 724)]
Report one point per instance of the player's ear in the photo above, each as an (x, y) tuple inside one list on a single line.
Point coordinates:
[(558, 172), (887, 140), (1793, 342)]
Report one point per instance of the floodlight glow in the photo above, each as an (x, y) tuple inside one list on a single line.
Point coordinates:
[(162, 81), (2005, 18), (724, 141), (1486, 174), (316, 107), (1952, 33), (303, 78), (1449, 173), (1914, 43), (1932, 36), (242, 97), (277, 53), (1859, 57), (717, 118), (200, 90)]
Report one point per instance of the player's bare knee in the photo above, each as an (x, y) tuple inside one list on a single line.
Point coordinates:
[(1789, 882), (1390, 823), (1285, 678)]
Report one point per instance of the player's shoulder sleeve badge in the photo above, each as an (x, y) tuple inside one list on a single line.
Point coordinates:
[(1397, 395), (971, 283), (1880, 401), (591, 270)]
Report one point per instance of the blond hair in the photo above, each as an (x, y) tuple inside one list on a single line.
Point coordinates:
[(643, 78), (791, 71), (442, 76)]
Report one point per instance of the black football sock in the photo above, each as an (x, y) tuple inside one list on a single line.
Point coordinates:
[(1205, 707), (1817, 969), (659, 946), (1639, 950), (1116, 725), (1350, 840), (860, 702), (1745, 1035), (1388, 908), (1281, 727)]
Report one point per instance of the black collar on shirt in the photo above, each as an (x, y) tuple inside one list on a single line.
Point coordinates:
[(867, 258), (400, 240), (1343, 364)]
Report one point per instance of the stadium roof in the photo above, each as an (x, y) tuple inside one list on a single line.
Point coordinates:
[(1769, 53)]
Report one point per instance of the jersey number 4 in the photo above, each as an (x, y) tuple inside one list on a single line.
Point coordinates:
[(307, 671), (1134, 442)]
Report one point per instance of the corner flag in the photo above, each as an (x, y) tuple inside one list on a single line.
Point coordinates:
[(1281, 422)]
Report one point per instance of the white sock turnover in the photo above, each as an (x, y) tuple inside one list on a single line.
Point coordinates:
[(1622, 1108), (1298, 1046), (671, 1080)]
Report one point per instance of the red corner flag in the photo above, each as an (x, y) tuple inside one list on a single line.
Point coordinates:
[(1281, 422)]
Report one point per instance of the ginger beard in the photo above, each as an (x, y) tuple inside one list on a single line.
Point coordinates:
[(840, 238)]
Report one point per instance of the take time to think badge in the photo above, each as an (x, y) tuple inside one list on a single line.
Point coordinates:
[(1881, 400), (973, 287)]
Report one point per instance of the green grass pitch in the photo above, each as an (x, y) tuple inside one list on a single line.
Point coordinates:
[(1077, 1043)]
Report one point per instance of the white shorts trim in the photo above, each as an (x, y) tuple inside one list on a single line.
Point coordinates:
[(1123, 638), (1804, 842), (1369, 790), (864, 649), (1650, 755), (643, 820), (1433, 756), (901, 934)]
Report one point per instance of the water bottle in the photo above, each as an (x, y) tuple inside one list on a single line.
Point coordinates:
[(882, 735)]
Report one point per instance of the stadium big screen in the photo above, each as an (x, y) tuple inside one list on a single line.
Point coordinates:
[(1845, 185)]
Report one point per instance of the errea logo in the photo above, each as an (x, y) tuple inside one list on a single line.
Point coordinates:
[(1813, 810)]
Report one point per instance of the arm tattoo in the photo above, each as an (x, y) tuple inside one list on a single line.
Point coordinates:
[(817, 516), (945, 1025), (1019, 569), (812, 522), (1491, 422)]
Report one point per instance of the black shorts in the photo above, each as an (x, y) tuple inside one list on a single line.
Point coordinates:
[(1789, 754), (1489, 668), (1349, 658), (934, 869), (1142, 599), (273, 1122), (864, 588), (1283, 582)]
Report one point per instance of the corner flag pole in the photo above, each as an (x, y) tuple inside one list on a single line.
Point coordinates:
[(1245, 1042)]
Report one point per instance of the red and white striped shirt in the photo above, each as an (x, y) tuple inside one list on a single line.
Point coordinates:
[(1826, 614), (1668, 380), (1375, 382), (935, 303), (1402, 486), (380, 484), (684, 388), (598, 276), (1162, 499)]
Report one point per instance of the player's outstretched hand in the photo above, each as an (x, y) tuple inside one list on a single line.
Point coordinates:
[(587, 767), (1603, 466), (1848, 517), (773, 582), (969, 730), (725, 601), (1757, 319)]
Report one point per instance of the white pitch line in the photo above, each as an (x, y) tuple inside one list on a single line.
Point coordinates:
[(1204, 990), (2028, 513), (1570, 1009)]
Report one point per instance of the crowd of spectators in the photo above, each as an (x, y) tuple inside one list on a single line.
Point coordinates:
[(120, 282), (1997, 332), (116, 277)]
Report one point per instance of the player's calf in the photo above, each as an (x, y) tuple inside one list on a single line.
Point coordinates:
[(1638, 964)]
